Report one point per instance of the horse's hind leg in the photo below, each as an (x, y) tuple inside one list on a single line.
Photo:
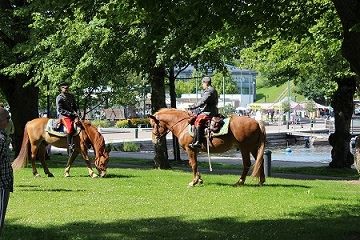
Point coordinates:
[(34, 150), (69, 163), (246, 167), (262, 173), (41, 154)]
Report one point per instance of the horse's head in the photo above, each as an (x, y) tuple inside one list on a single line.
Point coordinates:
[(159, 128), (98, 143), (101, 162)]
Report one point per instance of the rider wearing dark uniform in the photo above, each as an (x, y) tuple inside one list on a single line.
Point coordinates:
[(205, 109), (67, 112)]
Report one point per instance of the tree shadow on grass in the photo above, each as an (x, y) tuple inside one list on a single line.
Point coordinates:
[(110, 175), (272, 185), (318, 223)]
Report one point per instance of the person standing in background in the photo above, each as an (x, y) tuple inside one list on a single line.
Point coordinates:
[(6, 171)]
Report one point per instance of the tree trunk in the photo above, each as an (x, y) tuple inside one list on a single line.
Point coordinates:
[(343, 109), (176, 148), (157, 78), (349, 13), (23, 102)]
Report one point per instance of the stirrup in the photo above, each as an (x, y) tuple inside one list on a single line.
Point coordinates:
[(195, 145)]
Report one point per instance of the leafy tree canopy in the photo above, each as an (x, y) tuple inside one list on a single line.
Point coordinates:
[(312, 59)]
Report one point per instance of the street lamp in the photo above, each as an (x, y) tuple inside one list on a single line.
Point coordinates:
[(288, 114), (223, 86)]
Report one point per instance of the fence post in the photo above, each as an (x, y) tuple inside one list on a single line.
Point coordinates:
[(136, 133), (267, 163)]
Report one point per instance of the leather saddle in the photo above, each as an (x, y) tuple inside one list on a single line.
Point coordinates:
[(55, 127), (217, 126)]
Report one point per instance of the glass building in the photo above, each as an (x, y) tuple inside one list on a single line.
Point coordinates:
[(244, 78)]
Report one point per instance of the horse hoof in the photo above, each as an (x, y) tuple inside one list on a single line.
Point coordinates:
[(94, 175), (66, 174), (239, 184), (37, 175), (50, 175), (195, 182)]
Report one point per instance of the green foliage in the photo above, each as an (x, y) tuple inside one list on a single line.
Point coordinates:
[(310, 106), (223, 81), (227, 110), (285, 106), (140, 121), (101, 123), (220, 81), (130, 147), (313, 59), (185, 86), (132, 123), (123, 124)]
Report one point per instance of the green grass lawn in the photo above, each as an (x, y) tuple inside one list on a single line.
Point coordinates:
[(275, 93), (139, 202)]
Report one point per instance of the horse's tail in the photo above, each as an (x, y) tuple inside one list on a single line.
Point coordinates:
[(23, 156), (259, 163)]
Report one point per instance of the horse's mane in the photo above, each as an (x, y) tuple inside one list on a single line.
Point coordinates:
[(171, 114), (96, 139), (171, 111)]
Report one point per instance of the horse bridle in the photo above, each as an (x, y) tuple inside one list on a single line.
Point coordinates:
[(158, 135)]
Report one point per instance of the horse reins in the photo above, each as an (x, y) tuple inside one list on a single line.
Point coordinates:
[(172, 128)]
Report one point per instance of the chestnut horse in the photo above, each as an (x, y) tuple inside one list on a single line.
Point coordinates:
[(36, 139), (244, 133)]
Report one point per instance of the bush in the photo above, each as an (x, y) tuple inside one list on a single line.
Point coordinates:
[(101, 123), (140, 121), (123, 124), (130, 147), (132, 123)]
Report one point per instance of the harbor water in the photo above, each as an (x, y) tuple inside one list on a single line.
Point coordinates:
[(299, 153)]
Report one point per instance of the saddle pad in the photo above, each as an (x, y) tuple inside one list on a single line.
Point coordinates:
[(223, 130), (49, 127)]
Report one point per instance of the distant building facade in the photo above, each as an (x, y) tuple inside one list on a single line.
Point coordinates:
[(244, 78)]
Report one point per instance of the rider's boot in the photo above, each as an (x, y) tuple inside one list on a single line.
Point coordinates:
[(197, 141), (71, 145)]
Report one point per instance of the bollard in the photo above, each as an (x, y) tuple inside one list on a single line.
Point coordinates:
[(267, 163), (307, 142), (136, 133)]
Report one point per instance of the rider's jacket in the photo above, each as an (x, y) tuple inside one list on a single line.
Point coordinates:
[(66, 105), (208, 102)]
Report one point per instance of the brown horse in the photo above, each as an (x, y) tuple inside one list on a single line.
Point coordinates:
[(244, 133), (36, 139)]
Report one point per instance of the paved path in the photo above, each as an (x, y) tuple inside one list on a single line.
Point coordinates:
[(116, 135), (144, 134)]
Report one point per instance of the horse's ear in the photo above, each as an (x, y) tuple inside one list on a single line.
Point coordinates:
[(153, 118)]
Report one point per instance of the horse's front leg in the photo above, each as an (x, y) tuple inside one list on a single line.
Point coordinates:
[(194, 166), (84, 153), (246, 167)]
